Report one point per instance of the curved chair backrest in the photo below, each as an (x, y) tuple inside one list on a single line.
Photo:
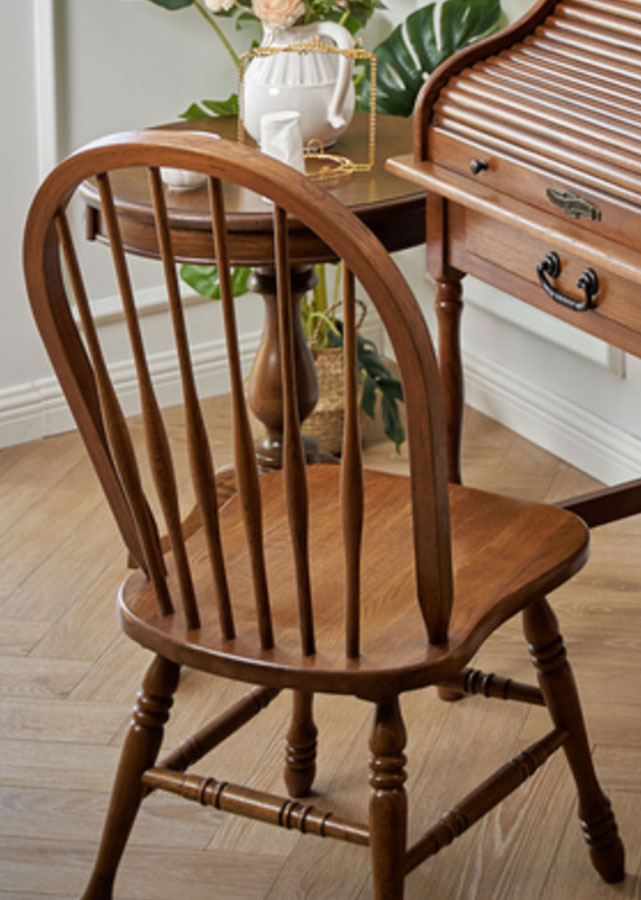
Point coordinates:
[(65, 317)]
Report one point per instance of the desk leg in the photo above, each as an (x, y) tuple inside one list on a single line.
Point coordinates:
[(449, 307), (264, 386)]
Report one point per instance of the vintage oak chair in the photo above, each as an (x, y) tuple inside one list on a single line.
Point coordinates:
[(325, 578)]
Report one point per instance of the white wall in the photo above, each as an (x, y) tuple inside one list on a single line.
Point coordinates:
[(75, 69), (20, 355), (70, 71)]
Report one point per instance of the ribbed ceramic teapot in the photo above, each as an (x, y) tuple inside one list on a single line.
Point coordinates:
[(317, 85)]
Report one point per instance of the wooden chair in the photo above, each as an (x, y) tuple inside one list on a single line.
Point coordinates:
[(313, 579)]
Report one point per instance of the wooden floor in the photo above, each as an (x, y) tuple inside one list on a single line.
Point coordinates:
[(68, 681)]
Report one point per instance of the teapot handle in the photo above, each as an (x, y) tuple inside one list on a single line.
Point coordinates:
[(344, 41)]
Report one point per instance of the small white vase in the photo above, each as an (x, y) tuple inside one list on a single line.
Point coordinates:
[(317, 85)]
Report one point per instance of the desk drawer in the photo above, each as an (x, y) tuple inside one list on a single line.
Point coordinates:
[(570, 196), (502, 255)]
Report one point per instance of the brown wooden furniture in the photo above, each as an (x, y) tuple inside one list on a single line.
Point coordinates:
[(393, 209), (310, 578), (529, 147)]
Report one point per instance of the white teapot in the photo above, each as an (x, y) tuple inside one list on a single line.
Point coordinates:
[(317, 85)]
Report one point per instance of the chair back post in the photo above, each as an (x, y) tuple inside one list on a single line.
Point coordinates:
[(44, 232)]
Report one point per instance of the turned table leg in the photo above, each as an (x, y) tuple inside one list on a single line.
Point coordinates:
[(264, 392)]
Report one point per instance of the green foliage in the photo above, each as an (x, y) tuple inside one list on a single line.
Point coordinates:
[(228, 107), (173, 4), (421, 43), (377, 380), (353, 14), (359, 14), (205, 280), (244, 20)]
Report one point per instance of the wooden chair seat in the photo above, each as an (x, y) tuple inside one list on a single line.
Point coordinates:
[(504, 552)]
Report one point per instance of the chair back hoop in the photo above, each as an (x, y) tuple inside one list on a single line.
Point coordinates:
[(144, 484)]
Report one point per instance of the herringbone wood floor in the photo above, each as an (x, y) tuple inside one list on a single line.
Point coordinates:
[(68, 680)]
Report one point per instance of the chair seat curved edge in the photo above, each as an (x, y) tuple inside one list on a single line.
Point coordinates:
[(506, 553)]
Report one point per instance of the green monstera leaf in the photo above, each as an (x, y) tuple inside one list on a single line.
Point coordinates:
[(419, 44), (206, 281), (228, 107), (377, 381)]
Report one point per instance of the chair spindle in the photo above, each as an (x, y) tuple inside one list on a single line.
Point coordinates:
[(293, 453), (351, 482), (200, 457), (246, 468), (155, 434), (116, 427)]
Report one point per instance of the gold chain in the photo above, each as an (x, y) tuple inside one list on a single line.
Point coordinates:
[(332, 164)]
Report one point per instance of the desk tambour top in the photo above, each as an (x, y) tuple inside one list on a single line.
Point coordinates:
[(539, 128), (560, 112)]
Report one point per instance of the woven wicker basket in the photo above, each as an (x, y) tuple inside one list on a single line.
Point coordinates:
[(326, 421)]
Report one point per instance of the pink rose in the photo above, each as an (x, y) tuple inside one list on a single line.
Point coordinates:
[(280, 13)]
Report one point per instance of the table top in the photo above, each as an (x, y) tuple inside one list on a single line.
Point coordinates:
[(389, 205)]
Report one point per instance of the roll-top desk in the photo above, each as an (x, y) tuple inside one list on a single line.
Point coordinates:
[(529, 147)]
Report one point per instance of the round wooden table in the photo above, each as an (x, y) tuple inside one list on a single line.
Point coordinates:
[(389, 205)]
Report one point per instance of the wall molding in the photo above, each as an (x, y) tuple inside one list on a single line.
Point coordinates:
[(149, 301), (46, 85), (547, 327), (576, 435), (38, 409)]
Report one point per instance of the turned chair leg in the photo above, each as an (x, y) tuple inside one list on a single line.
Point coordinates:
[(561, 697), (448, 695), (388, 802), (139, 753), (300, 748)]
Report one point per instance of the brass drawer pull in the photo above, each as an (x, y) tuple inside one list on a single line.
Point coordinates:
[(588, 283), (573, 205)]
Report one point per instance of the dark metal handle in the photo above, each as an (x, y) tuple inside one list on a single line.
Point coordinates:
[(588, 283), (478, 165)]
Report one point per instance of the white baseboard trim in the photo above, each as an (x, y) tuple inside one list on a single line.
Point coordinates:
[(38, 409), (550, 329), (576, 435)]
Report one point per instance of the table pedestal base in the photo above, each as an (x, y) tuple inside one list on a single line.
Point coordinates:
[(264, 386)]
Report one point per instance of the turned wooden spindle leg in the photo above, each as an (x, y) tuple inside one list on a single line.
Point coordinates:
[(300, 748), (264, 391), (388, 802), (449, 307), (561, 697), (139, 752)]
